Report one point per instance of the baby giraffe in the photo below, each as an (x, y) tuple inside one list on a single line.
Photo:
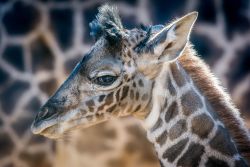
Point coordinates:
[(153, 74)]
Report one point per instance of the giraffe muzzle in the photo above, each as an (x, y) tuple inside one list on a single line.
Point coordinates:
[(45, 118)]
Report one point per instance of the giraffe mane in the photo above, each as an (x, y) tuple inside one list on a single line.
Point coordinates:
[(107, 23), (218, 98)]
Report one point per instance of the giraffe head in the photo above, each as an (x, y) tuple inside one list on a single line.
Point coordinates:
[(116, 77)]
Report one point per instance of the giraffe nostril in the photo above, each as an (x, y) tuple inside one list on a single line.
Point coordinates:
[(43, 112)]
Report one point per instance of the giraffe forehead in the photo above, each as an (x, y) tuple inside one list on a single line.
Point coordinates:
[(123, 50), (134, 37), (100, 56)]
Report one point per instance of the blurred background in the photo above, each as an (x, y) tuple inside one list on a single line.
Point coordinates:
[(42, 40)]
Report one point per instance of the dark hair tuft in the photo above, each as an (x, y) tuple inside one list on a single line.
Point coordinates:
[(107, 23)]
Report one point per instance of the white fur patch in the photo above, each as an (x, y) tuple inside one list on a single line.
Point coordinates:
[(157, 100), (153, 116), (159, 49), (130, 70), (170, 37), (171, 34)]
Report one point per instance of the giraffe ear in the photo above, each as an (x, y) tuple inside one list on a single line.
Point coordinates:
[(169, 43)]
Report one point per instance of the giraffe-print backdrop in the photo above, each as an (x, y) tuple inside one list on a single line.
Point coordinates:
[(42, 40)]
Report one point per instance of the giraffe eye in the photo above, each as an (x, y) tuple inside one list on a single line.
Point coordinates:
[(105, 80)]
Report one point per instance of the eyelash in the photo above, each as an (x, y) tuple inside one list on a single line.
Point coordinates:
[(105, 80)]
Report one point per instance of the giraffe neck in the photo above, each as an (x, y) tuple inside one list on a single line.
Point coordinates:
[(183, 126)]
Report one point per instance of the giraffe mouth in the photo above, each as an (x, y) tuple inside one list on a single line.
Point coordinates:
[(51, 130), (52, 126), (43, 126), (56, 128)]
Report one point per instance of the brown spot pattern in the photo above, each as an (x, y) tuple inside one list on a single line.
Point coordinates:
[(100, 116), (90, 103), (140, 83), (91, 109), (137, 108), (170, 86), (137, 96), (157, 125), (111, 109), (117, 95), (165, 104), (169, 45), (161, 139), (222, 142), (124, 92), (214, 162), (101, 98), (241, 163), (134, 84), (129, 63), (175, 150), (83, 112), (192, 156), (190, 102), (178, 76), (144, 97), (125, 77), (89, 118), (171, 112), (177, 129), (202, 125), (132, 94), (109, 99), (100, 108)]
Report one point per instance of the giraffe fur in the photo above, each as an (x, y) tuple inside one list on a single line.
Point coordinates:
[(123, 75)]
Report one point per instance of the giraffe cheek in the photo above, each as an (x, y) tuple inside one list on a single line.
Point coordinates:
[(90, 105), (111, 109)]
